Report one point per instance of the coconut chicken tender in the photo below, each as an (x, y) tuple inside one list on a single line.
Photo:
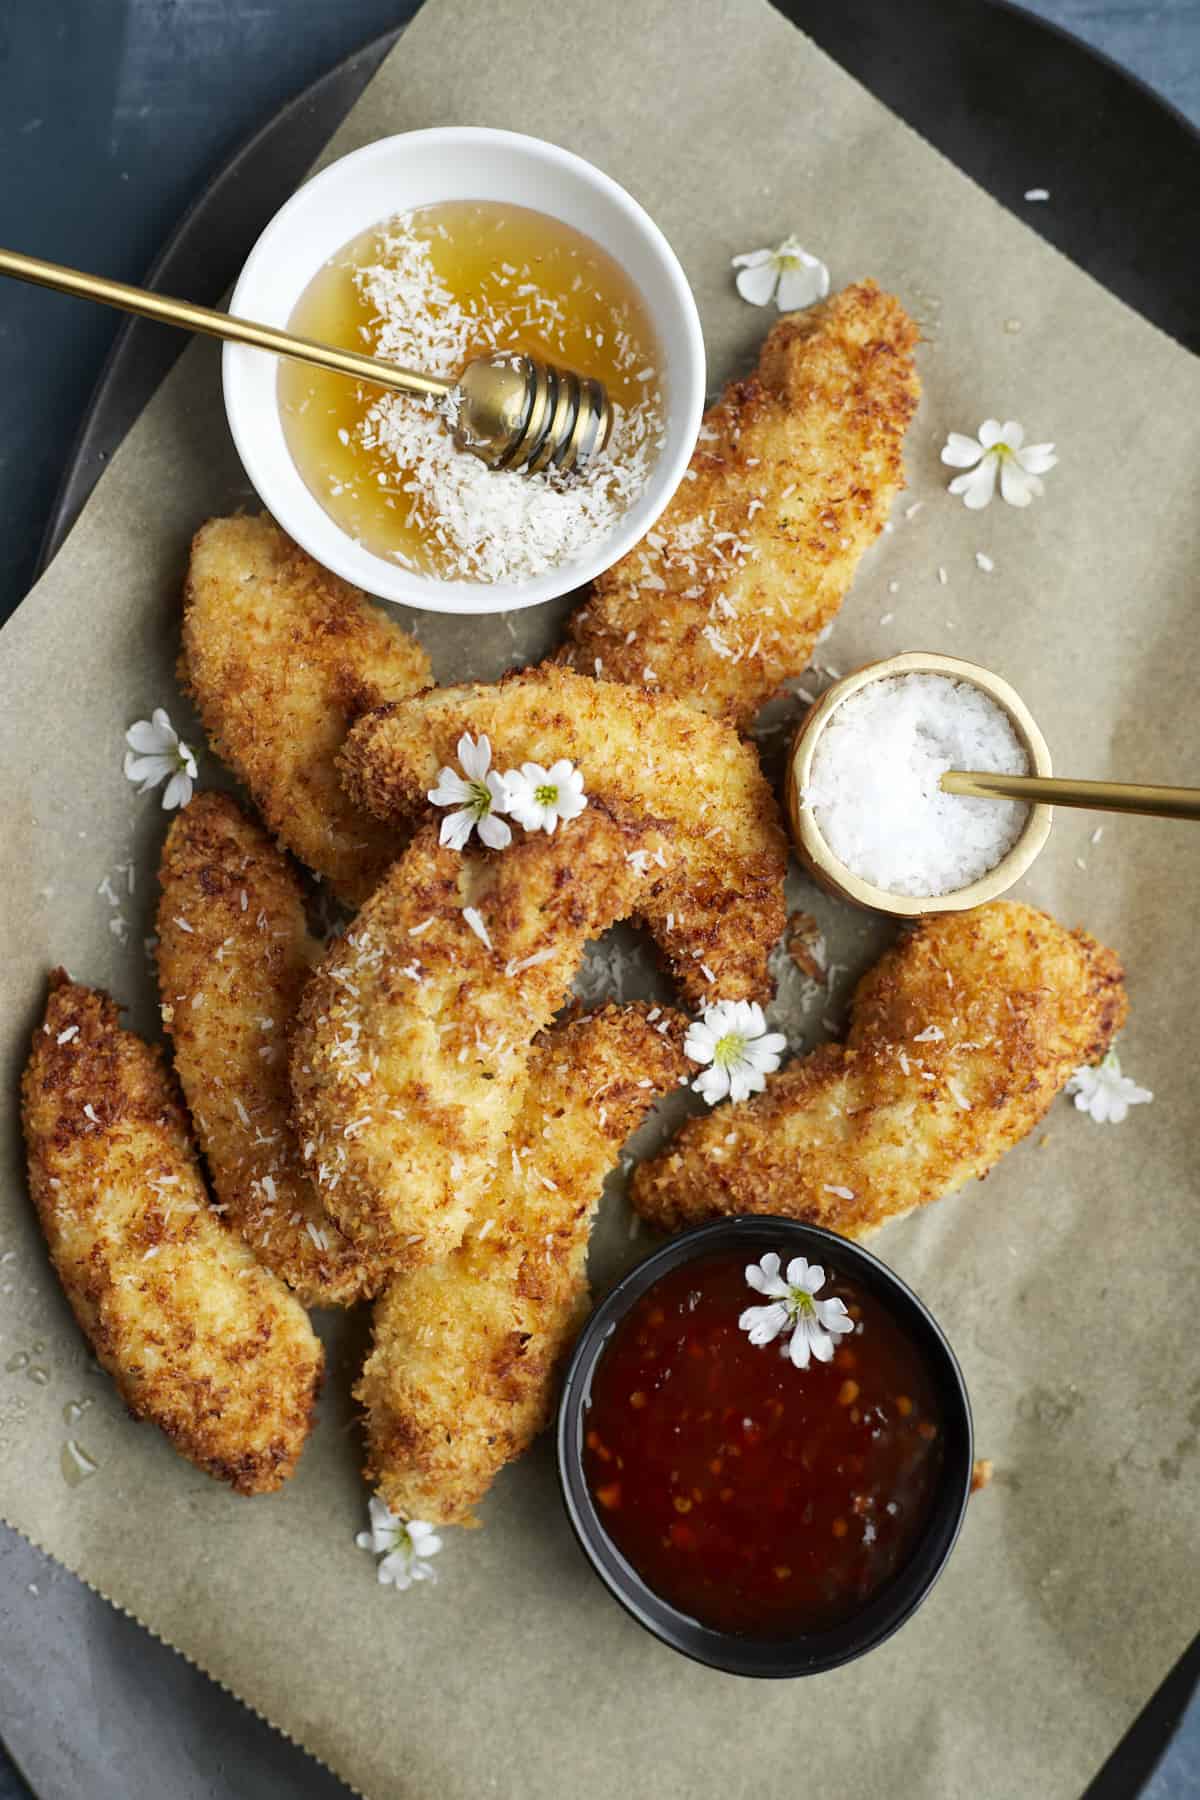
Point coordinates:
[(794, 475), (279, 656), (714, 903), (961, 1036), (461, 1377), (234, 953), (198, 1338), (412, 1044)]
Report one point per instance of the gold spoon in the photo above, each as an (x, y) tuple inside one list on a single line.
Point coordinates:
[(508, 409), (1104, 796)]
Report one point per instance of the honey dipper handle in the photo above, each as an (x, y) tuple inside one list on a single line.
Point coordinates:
[(212, 323), (1104, 796)]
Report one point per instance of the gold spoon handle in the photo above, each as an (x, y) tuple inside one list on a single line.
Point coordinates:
[(1104, 796), (217, 324)]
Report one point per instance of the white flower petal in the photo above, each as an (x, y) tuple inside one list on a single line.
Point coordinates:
[(766, 1269), (496, 786), (799, 1345), (820, 1342), (764, 1053), (802, 285), (150, 739), (712, 1085), (1016, 487), (808, 1277), (961, 452), (494, 832), (763, 1323), (456, 829), (744, 1080), (474, 756), (451, 789), (1036, 459), (991, 432), (756, 282), (178, 790), (978, 487), (570, 804), (148, 769), (832, 1316), (753, 259), (700, 1041), (1012, 433)]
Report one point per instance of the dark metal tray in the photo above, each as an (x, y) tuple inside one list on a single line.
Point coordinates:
[(1014, 103)]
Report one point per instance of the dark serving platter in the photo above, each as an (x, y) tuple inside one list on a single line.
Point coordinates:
[(1016, 104)]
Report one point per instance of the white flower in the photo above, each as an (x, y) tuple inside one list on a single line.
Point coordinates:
[(157, 753), (402, 1545), (998, 447), (732, 1037), (787, 274), (538, 798), (813, 1324), (1105, 1093), (479, 797)]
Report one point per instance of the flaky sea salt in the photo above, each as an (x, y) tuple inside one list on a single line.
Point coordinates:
[(875, 792)]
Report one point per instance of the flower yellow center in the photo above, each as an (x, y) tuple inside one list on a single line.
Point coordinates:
[(481, 799), (546, 794), (800, 1301), (729, 1049)]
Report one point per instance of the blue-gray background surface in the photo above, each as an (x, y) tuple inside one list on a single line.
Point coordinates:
[(113, 116)]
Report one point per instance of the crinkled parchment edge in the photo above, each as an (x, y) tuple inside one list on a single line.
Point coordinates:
[(194, 1662)]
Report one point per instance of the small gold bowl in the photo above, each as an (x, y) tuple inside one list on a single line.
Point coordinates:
[(829, 872)]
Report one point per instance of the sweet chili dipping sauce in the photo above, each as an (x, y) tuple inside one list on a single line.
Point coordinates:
[(752, 1495)]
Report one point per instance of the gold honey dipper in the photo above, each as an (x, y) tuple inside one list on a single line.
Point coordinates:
[(1041, 791), (508, 409)]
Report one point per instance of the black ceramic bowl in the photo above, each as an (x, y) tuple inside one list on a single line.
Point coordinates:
[(887, 1610)]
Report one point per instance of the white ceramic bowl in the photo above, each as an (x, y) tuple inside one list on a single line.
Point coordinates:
[(421, 168)]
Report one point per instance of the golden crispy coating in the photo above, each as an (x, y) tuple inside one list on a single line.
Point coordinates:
[(792, 479), (234, 953), (197, 1337), (461, 1377), (715, 906), (961, 1037), (413, 1037), (279, 656)]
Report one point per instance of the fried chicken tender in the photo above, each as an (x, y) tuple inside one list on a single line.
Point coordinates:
[(961, 1036), (279, 656), (234, 953), (793, 477), (715, 905), (198, 1338), (412, 1042), (461, 1377)]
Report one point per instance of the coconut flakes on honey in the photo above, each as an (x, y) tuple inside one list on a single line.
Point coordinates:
[(428, 290)]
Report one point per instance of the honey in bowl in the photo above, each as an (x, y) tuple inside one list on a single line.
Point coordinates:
[(428, 290), (754, 1496)]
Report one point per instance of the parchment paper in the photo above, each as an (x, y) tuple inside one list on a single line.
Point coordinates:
[(1067, 1284)]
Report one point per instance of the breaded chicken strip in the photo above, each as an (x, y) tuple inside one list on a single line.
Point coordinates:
[(234, 953), (793, 477), (197, 1337), (410, 1051), (279, 656), (461, 1376), (961, 1037), (715, 905)]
